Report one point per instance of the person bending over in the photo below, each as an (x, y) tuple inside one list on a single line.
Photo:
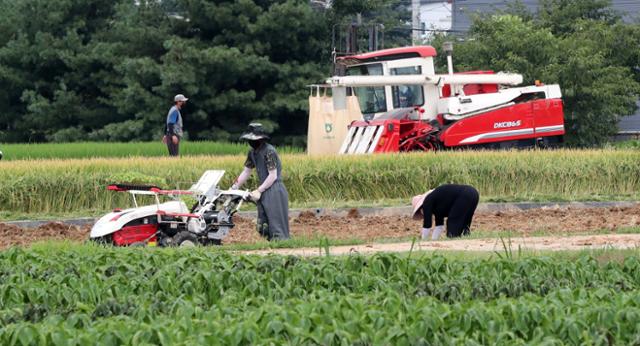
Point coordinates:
[(456, 203)]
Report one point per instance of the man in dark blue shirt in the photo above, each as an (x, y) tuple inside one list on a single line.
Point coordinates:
[(174, 133)]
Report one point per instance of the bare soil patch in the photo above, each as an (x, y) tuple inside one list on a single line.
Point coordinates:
[(558, 222), (11, 235)]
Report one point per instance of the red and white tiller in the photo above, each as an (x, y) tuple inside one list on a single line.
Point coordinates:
[(172, 223)]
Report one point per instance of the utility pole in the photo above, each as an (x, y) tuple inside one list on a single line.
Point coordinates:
[(352, 35), (453, 14), (415, 21)]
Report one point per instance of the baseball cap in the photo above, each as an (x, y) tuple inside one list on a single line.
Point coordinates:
[(180, 97)]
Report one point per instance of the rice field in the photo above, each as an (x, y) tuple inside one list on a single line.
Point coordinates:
[(82, 150), (72, 185)]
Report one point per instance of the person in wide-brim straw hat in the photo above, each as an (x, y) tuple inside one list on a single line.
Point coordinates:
[(271, 197), (457, 203)]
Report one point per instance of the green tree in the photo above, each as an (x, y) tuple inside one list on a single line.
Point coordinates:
[(47, 70), (245, 60), (108, 69), (133, 48), (560, 16)]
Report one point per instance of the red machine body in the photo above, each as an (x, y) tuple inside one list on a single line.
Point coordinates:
[(135, 234), (530, 120)]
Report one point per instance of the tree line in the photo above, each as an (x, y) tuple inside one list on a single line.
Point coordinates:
[(107, 70)]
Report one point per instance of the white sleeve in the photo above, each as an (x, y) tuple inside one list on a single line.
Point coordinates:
[(271, 178), (246, 173)]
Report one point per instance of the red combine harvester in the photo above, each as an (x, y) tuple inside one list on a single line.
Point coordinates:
[(407, 107)]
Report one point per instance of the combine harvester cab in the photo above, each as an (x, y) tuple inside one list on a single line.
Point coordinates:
[(407, 107)]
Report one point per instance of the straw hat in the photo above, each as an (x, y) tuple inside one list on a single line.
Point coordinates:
[(416, 202)]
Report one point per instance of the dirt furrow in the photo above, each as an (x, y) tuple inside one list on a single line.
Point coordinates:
[(523, 223)]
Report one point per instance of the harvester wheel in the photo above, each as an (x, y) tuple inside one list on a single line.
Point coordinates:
[(185, 239)]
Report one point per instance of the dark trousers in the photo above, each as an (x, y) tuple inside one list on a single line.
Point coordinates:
[(461, 214), (174, 149)]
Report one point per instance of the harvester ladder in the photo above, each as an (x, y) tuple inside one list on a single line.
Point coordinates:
[(347, 141), (376, 139), (361, 140)]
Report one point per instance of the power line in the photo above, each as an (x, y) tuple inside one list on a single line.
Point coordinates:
[(446, 8)]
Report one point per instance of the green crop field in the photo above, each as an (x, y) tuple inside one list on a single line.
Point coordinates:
[(79, 295), (107, 149), (58, 186)]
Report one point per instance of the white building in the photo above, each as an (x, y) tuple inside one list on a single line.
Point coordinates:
[(431, 16)]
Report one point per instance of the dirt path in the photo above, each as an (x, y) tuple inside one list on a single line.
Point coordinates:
[(606, 241), (558, 222)]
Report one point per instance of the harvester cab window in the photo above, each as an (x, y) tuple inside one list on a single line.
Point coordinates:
[(528, 97), (407, 95), (371, 99)]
